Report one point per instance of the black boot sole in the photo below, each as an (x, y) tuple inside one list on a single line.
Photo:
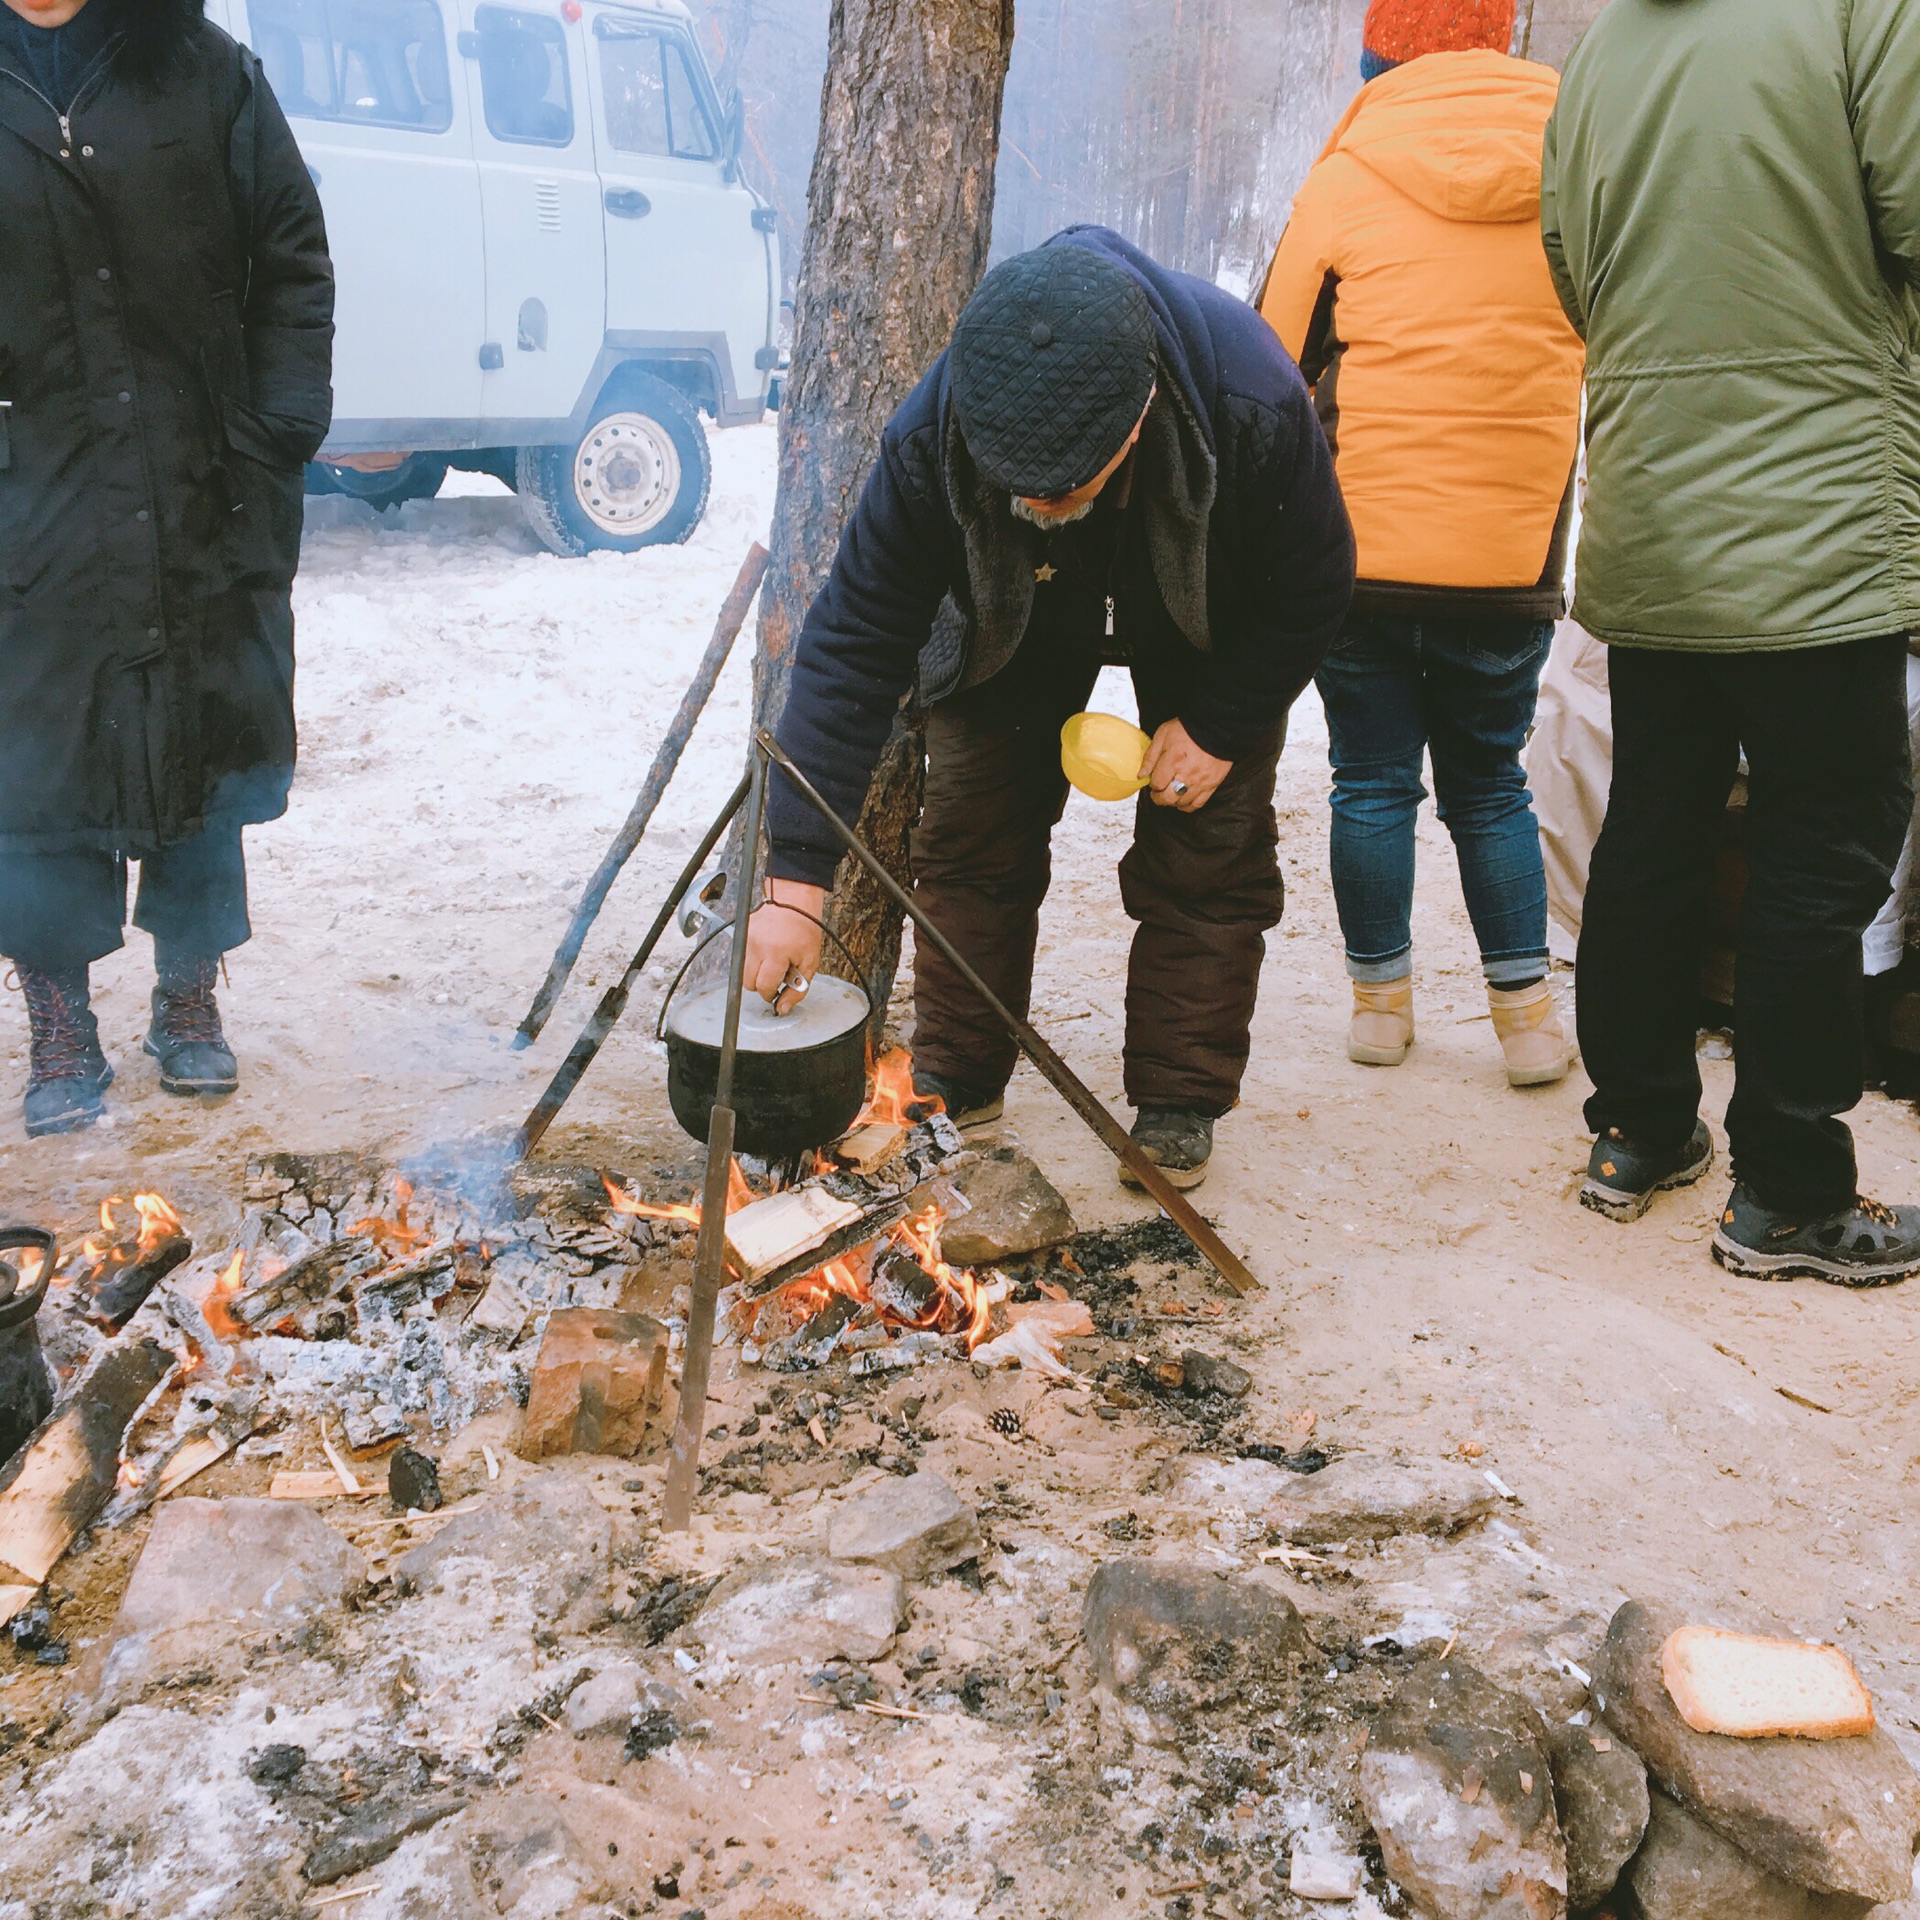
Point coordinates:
[(188, 1089), (1617, 1204), (1750, 1265)]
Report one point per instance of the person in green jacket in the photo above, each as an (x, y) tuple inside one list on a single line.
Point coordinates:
[(1731, 207)]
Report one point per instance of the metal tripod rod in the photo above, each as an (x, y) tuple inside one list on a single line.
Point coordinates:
[(1065, 1081), (613, 1003), (710, 1252)]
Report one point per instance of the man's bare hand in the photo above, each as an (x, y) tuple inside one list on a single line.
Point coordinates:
[(1173, 758), (783, 948)]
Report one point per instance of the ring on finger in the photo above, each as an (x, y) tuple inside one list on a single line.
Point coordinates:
[(1180, 787)]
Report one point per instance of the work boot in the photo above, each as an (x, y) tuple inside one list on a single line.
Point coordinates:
[(66, 1071), (1177, 1140), (185, 1035), (1622, 1178), (1862, 1245), (1532, 1035), (1382, 1026), (965, 1106)]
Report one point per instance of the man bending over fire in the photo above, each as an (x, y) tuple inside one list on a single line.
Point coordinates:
[(1111, 463)]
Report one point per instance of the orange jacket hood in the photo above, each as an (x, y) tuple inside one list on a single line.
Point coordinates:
[(1482, 165)]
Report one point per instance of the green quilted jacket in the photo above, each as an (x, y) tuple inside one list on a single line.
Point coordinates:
[(1731, 204)]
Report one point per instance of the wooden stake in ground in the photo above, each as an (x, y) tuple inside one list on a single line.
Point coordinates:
[(693, 703), (899, 213)]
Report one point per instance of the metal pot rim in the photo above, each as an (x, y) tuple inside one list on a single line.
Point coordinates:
[(832, 1009)]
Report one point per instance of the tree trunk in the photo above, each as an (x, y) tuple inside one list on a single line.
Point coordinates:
[(898, 218)]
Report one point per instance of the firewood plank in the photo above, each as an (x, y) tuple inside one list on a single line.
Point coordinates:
[(66, 1472), (780, 1229)]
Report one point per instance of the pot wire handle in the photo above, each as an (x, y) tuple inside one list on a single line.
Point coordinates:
[(726, 926)]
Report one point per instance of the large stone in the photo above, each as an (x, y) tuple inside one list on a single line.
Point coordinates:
[(1172, 1641), (1685, 1871), (369, 1835), (1456, 1783), (546, 1539), (1840, 1816), (598, 1379), (1012, 1208), (916, 1526), (615, 1696), (1373, 1497), (804, 1609), (1602, 1789), (217, 1576), (1215, 1487)]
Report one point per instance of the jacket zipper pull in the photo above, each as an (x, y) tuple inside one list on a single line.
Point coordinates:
[(1109, 616)]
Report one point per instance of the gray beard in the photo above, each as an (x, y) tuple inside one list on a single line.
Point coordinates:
[(1035, 518)]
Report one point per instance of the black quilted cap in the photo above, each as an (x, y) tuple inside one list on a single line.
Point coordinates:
[(1052, 364)]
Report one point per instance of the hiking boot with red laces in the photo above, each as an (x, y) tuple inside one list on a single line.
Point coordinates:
[(185, 1036), (66, 1071), (1862, 1245)]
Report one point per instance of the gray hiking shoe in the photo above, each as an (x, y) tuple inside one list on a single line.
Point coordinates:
[(185, 1035), (1622, 1179), (66, 1072), (1863, 1245), (1177, 1140)]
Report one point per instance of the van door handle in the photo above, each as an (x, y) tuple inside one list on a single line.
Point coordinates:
[(629, 203)]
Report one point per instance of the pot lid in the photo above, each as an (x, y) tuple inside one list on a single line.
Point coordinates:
[(832, 1009)]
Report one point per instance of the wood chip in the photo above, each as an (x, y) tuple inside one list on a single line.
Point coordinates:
[(870, 1147), (817, 1430), (1599, 1743), (340, 1467), (313, 1484), (1483, 1845), (1471, 1781), (493, 1462), (1801, 1400), (1526, 1781)]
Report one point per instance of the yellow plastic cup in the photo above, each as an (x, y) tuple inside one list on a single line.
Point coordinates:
[(1101, 754)]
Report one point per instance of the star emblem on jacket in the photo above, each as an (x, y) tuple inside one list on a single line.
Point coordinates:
[(1044, 572)]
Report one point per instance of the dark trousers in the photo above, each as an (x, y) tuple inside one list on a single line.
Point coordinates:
[(65, 910), (1829, 797), (1202, 887)]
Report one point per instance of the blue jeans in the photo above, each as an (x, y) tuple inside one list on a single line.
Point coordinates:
[(1394, 689)]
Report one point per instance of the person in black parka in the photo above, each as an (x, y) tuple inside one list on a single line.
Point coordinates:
[(166, 327), (1113, 463)]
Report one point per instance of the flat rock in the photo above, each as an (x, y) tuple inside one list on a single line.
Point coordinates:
[(1456, 1783), (1601, 1786), (1685, 1871), (805, 1609), (917, 1526), (539, 1852), (615, 1696), (1839, 1816), (1207, 1373), (1212, 1486), (547, 1537), (1171, 1641), (369, 1835), (1365, 1496), (597, 1381), (1012, 1208), (218, 1575)]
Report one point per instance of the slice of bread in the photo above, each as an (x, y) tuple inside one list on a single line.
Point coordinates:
[(1753, 1688)]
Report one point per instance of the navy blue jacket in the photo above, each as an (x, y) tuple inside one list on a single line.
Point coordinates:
[(1254, 557)]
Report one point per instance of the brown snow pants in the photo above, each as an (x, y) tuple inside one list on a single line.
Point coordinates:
[(1202, 888)]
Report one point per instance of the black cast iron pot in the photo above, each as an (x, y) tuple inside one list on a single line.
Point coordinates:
[(799, 1079), (26, 1392)]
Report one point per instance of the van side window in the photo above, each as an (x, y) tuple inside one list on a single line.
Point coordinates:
[(378, 63), (523, 77), (653, 105)]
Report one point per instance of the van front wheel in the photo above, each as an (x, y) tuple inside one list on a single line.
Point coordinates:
[(638, 477)]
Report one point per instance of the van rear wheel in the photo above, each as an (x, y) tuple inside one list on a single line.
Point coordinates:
[(638, 477)]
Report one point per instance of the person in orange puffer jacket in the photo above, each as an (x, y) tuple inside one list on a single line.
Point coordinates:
[(1412, 286)]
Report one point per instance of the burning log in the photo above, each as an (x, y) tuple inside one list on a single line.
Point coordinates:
[(774, 1234), (390, 1293), (207, 1428), (303, 1289), (66, 1472), (120, 1273), (868, 1148)]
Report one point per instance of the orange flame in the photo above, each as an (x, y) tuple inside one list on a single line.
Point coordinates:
[(219, 1320), (920, 1235), (395, 1236), (154, 1223), (739, 1195), (891, 1094)]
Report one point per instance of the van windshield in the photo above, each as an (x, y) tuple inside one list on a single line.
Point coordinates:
[(382, 63), (653, 102)]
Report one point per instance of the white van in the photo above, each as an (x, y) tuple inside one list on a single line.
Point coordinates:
[(549, 265)]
